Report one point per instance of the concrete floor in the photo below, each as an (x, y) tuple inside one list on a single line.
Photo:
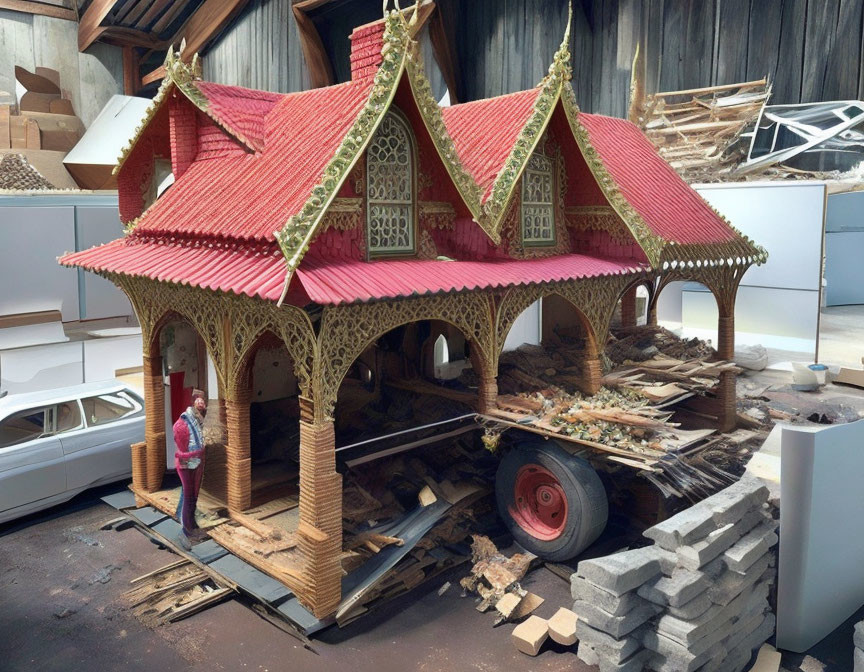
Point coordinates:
[(61, 582), (841, 336)]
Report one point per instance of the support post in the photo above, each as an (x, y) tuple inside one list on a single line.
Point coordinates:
[(238, 460), (652, 314), (592, 374), (628, 308), (727, 415), (154, 425), (726, 335), (320, 528), (487, 393)]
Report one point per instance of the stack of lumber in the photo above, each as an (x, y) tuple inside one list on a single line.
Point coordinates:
[(698, 131), (644, 342)]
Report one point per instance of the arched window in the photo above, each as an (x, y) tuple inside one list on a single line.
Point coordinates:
[(538, 210), (390, 188)]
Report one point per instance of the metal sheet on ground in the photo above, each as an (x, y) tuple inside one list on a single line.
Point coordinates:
[(252, 581), (120, 500), (147, 515), (411, 529)]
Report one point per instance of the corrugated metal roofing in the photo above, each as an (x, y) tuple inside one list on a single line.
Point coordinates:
[(228, 270), (333, 282), (671, 207)]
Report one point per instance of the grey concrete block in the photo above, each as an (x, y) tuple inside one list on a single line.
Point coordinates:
[(688, 632), (730, 505), (858, 661), (730, 584), (615, 649), (739, 655), (617, 626), (702, 552), (858, 637), (681, 587), (622, 572), (617, 605), (684, 528), (587, 655), (634, 663), (688, 663), (692, 609), (751, 547)]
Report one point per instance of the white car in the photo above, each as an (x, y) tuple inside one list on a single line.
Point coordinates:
[(57, 443)]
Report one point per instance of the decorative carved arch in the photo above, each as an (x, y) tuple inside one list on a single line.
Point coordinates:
[(594, 300), (346, 331)]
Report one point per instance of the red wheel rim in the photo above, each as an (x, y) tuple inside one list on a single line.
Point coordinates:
[(539, 503)]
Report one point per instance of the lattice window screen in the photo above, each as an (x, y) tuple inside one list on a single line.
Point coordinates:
[(390, 192), (538, 211)]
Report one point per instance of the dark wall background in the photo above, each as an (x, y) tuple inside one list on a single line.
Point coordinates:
[(811, 49)]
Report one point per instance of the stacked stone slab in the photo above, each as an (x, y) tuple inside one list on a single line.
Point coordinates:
[(859, 647), (695, 600)]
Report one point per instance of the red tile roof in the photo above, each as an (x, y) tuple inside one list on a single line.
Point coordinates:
[(262, 274), (333, 282), (250, 197), (485, 131), (241, 271), (670, 207), (240, 110)]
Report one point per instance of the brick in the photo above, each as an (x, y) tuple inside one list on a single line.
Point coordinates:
[(858, 637), (617, 605), (751, 547), (688, 632), (741, 650), (562, 627), (615, 649), (676, 590), (622, 572), (858, 661), (702, 552), (686, 662), (529, 635), (617, 626), (587, 655), (768, 660)]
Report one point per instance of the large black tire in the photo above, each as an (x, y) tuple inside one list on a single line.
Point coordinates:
[(587, 507)]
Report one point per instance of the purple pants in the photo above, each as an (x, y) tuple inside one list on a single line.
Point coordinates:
[(191, 481)]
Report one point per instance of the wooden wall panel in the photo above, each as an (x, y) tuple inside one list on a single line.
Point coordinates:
[(811, 49), (259, 50), (91, 77)]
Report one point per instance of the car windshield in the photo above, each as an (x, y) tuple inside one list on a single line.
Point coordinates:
[(22, 426)]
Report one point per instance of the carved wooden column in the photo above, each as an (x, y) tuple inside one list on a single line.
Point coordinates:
[(727, 416), (154, 426), (238, 460), (628, 308), (592, 374), (726, 334), (320, 528)]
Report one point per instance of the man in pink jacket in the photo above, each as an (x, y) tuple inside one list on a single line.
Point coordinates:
[(189, 461)]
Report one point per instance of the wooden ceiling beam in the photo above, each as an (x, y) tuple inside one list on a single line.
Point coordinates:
[(40, 8), (90, 28), (317, 60), (122, 36)]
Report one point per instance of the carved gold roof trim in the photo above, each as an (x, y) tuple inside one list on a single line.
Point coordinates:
[(296, 235), (505, 184)]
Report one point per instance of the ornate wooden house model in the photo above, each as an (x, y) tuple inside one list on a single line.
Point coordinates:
[(319, 221)]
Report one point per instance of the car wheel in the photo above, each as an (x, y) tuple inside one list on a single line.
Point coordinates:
[(553, 503)]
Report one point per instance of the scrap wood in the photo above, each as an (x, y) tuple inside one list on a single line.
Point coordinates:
[(493, 573)]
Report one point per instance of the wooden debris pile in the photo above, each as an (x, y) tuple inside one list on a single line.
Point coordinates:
[(636, 344), (173, 592), (495, 579), (407, 519), (698, 131)]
